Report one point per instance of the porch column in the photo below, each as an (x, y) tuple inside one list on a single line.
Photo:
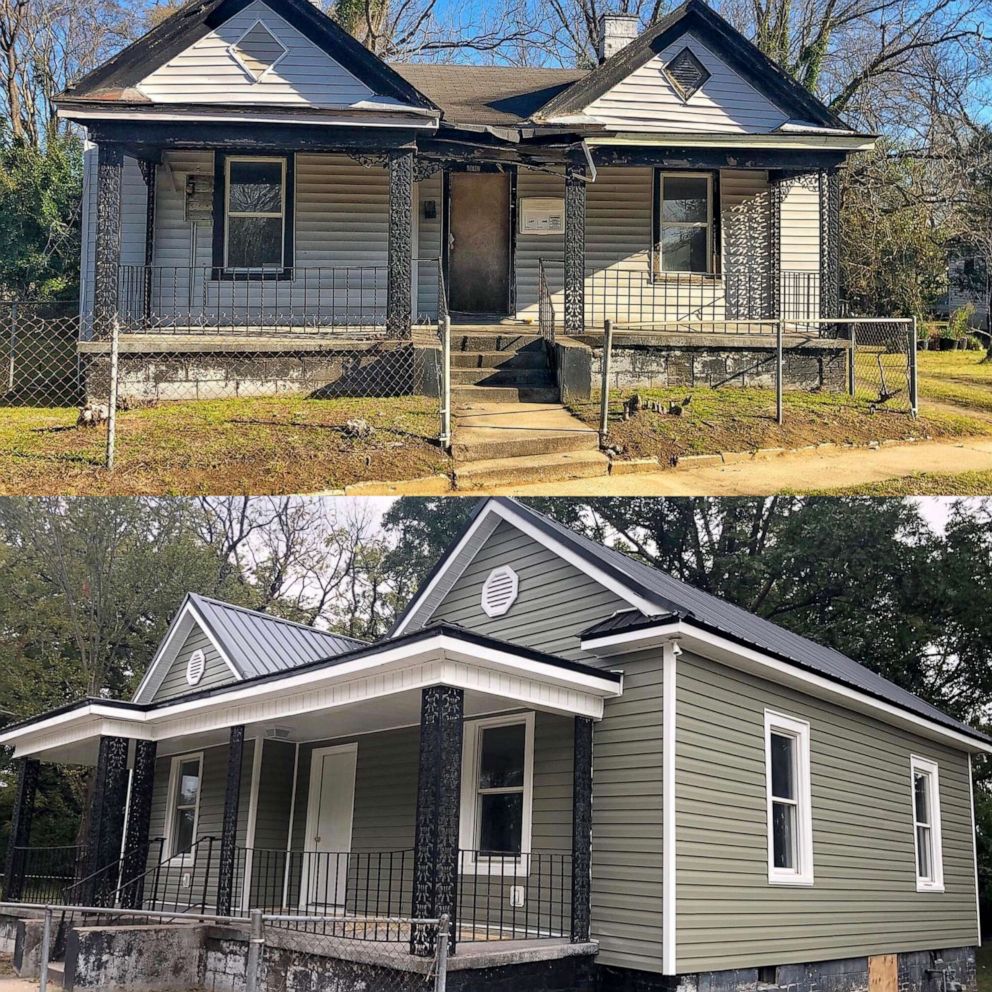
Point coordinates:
[(399, 267), (581, 828), (110, 175), (435, 857), (575, 248), (139, 815), (149, 172), (776, 194), (829, 188), (229, 829), (20, 828), (106, 821)]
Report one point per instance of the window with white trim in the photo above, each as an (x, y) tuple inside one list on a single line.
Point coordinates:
[(926, 825), (497, 789), (685, 222), (185, 779), (790, 824), (254, 213)]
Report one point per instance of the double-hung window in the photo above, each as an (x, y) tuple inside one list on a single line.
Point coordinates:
[(497, 784), (184, 804), (255, 205), (685, 234), (926, 825), (790, 825)]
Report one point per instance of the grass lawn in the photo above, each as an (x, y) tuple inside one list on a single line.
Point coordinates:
[(260, 446), (920, 484), (958, 377)]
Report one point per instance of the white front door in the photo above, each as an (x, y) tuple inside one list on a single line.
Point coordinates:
[(327, 846)]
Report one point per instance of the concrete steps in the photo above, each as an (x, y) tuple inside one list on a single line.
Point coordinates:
[(503, 394), (56, 974), (485, 431), (531, 378), (495, 341), (530, 468), (526, 358)]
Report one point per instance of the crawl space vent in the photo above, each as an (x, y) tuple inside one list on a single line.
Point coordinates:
[(195, 667), (499, 591), (257, 50), (686, 73)]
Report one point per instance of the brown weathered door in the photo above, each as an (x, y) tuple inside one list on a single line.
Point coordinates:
[(479, 242)]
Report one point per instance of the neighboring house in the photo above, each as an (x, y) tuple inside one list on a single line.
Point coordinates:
[(969, 285), (607, 778), (253, 170)]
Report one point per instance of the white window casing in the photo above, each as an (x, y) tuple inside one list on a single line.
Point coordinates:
[(174, 806), (797, 732), (924, 784), (470, 862)]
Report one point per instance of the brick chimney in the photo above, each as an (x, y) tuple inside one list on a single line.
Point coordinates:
[(616, 31)]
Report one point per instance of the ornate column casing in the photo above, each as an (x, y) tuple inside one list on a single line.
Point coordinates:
[(110, 174), (829, 188), (776, 194), (106, 821), (20, 828), (229, 829), (149, 172), (399, 273), (435, 859), (581, 828), (138, 819), (575, 249)]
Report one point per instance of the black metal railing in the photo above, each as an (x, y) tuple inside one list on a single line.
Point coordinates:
[(180, 883), (46, 872), (545, 304)]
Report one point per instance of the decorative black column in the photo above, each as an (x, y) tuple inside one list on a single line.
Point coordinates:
[(138, 819), (229, 829), (106, 821), (399, 274), (149, 172), (776, 194), (110, 174), (581, 828), (20, 829), (435, 858), (575, 249), (829, 188)]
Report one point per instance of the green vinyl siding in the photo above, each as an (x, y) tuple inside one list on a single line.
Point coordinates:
[(864, 899), (275, 796), (215, 672)]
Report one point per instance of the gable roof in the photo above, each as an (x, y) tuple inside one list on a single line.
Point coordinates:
[(665, 598), (484, 94), (252, 644), (727, 42), (114, 78)]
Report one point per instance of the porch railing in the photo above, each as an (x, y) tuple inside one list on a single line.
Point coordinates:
[(47, 872), (545, 304)]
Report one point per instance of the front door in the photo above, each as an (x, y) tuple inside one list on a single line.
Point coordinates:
[(479, 242), (330, 809)]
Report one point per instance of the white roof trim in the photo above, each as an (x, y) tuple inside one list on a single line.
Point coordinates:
[(733, 655), (490, 516), (168, 651), (403, 117)]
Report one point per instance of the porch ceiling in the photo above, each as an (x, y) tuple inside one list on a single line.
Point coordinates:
[(372, 688)]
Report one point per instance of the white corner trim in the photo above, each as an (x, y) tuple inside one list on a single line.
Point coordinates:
[(292, 824), (798, 730), (669, 890), (974, 856), (256, 769), (931, 769)]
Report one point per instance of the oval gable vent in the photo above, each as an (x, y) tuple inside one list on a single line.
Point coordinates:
[(499, 591), (195, 667)]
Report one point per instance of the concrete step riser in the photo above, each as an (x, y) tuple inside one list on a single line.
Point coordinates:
[(503, 394), (502, 377), (495, 342), (553, 468), (499, 360), (480, 450)]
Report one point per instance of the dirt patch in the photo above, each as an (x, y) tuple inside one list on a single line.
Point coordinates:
[(258, 446), (6, 967)]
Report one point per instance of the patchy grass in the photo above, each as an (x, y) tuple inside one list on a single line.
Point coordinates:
[(985, 968), (259, 446), (961, 378), (6, 967), (743, 419), (921, 484)]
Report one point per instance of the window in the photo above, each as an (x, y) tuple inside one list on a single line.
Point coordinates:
[(255, 214), (685, 222), (790, 825), (184, 792), (926, 826), (497, 775)]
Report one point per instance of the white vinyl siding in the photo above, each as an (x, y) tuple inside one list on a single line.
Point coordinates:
[(207, 72), (647, 101)]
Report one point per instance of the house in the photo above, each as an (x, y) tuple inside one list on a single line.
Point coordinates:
[(968, 284), (608, 778), (269, 203)]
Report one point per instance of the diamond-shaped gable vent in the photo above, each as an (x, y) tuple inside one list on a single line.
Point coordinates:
[(499, 591), (686, 73), (257, 50)]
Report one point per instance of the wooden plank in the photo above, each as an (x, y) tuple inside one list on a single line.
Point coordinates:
[(883, 973)]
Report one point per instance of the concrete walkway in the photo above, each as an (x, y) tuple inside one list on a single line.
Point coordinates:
[(17, 985), (796, 471)]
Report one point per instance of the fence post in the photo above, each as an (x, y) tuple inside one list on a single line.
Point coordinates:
[(446, 382), (441, 976), (779, 344), (851, 378), (604, 399), (255, 942), (913, 395), (46, 944), (115, 331), (13, 347)]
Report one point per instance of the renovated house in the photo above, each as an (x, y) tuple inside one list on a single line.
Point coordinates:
[(260, 189), (605, 777)]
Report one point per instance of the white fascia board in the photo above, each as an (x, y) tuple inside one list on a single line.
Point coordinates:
[(501, 511), (796, 142), (734, 655), (408, 117)]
